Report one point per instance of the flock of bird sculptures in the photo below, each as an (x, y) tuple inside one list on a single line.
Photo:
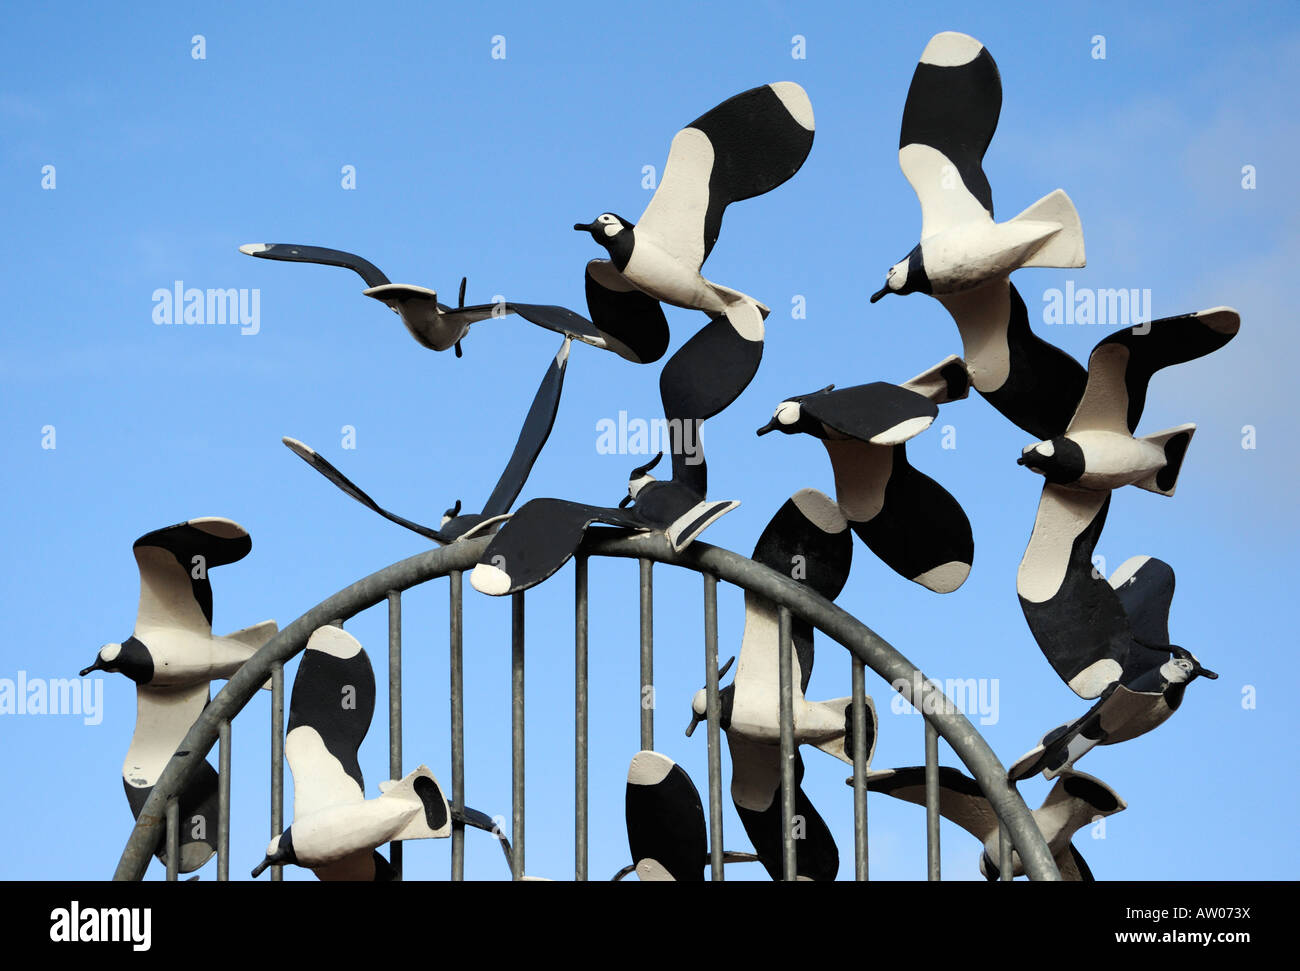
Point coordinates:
[(1108, 640)]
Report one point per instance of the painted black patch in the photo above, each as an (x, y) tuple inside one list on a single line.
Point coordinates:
[(198, 814), (1175, 450), (913, 776), (1085, 874), (665, 822), (867, 410), (631, 317), (384, 871), (323, 685), (757, 145), (435, 807), (184, 542), (1044, 384), (295, 253), (955, 111), (1146, 597), (816, 855), (133, 660), (920, 525), (1097, 796)]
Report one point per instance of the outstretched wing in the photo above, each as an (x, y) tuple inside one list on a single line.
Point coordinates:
[(951, 113), (631, 323), (960, 798), (755, 789), (1145, 587), (665, 820), (174, 563), (295, 253), (744, 147), (879, 413), (1122, 364)]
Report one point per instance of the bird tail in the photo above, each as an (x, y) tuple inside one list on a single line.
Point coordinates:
[(252, 638), (1064, 247), (1173, 442), (841, 746), (433, 821)]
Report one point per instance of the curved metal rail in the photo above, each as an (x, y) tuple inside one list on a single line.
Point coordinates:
[(941, 717)]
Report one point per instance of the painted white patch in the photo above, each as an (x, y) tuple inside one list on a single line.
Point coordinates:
[(109, 652), (634, 486), (252, 249), (951, 49), (612, 229), (1104, 406), (675, 215), (896, 278), (820, 510), (944, 578), (1045, 449), (652, 871), (319, 780), (490, 580), (1063, 514), (1221, 320), (219, 526), (562, 355), (394, 293), (1096, 677), (649, 769), (788, 412), (945, 200), (908, 428), (303, 449), (746, 319), (934, 385), (796, 102), (981, 316), (334, 641), (1127, 570)]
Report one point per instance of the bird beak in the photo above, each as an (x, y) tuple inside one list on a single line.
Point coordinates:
[(1023, 460), (97, 666), (771, 426), (585, 227), (1207, 673), (695, 720), (627, 501), (880, 293), (257, 870)]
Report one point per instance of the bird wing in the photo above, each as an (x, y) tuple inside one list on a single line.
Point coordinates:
[(746, 146), (537, 540), (949, 380), (948, 121), (960, 798), (1074, 615), (1073, 802), (1145, 587), (1122, 364), (879, 413), (631, 323), (532, 436), (920, 531), (295, 253), (755, 788), (562, 320), (1034, 384), (174, 563), (665, 818), (1072, 866), (163, 716), (330, 710), (347, 486)]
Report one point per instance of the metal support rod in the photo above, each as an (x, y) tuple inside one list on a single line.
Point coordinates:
[(789, 861), (647, 656), (859, 770), (223, 800), (1005, 869), (932, 800), (713, 713), (277, 759), (173, 838), (456, 638), (395, 707), (517, 734), (580, 718)]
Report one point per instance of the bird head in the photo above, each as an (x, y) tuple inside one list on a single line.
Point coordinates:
[(1183, 667), (638, 480), (789, 414), (906, 276), (700, 703), (278, 851), (1059, 460), (130, 658), (612, 232), (450, 514)]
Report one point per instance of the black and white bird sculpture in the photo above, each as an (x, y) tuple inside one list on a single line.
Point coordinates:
[(172, 656), (456, 525), (807, 540), (1154, 674), (1075, 801), (1074, 616), (746, 146), (435, 325), (906, 518), (335, 829), (544, 533), (964, 258), (665, 820)]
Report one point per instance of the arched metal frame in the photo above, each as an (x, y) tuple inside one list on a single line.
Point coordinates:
[(158, 817)]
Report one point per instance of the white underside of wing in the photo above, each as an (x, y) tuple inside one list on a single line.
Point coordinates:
[(319, 780), (1063, 514), (163, 716), (166, 596), (676, 213), (755, 772), (1104, 405), (982, 316), (945, 200), (604, 273), (861, 474)]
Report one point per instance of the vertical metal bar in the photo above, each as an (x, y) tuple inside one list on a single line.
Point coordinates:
[(517, 734), (223, 801), (932, 799), (277, 759), (647, 656), (395, 707), (789, 862), (173, 838), (859, 770), (713, 712), (1005, 869), (456, 649), (580, 717)]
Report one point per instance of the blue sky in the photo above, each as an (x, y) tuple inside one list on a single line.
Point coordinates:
[(466, 164)]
